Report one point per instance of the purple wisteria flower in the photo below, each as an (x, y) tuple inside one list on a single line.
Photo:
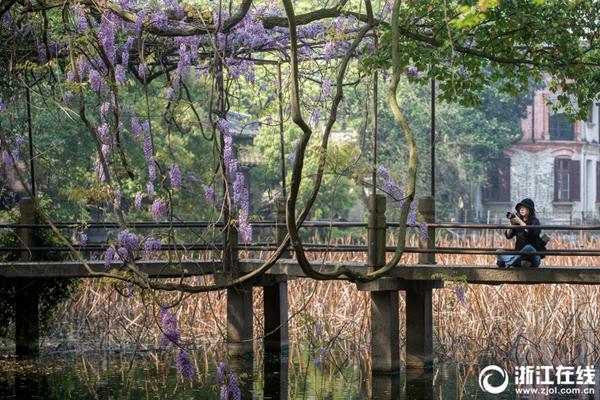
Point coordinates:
[(128, 240), (245, 227), (150, 189), (96, 82), (383, 172), (123, 254), (6, 160), (148, 151), (221, 373), (80, 19), (104, 133), (315, 117), (120, 76), (424, 233), (159, 210), (412, 215), (326, 88), (151, 246), (209, 194), (104, 110), (136, 127), (171, 334), (175, 176), (42, 53), (142, 70), (459, 290), (319, 331), (83, 239), (109, 255), (169, 94), (106, 36), (2, 106), (137, 203), (184, 365)]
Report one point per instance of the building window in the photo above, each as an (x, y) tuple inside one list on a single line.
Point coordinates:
[(561, 128), (498, 185), (566, 179)]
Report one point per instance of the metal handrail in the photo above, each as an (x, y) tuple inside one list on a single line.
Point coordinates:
[(316, 247), (270, 224)]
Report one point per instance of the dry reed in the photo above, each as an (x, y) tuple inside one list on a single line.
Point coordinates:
[(546, 324)]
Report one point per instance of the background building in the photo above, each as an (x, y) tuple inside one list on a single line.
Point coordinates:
[(556, 163)]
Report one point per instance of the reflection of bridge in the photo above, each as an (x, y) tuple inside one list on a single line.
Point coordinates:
[(418, 282)]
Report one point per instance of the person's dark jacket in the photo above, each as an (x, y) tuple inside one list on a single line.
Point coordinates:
[(525, 236)]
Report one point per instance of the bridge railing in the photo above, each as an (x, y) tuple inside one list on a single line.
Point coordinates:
[(310, 247)]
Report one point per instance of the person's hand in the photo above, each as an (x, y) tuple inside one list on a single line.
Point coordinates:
[(516, 221)]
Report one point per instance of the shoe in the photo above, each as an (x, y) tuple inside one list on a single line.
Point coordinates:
[(501, 264), (526, 264)]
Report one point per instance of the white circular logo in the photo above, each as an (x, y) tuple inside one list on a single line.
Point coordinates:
[(484, 377)]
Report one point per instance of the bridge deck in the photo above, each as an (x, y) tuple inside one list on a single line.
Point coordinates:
[(585, 275)]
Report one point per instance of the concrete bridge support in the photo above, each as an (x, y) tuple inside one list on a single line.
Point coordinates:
[(27, 331)]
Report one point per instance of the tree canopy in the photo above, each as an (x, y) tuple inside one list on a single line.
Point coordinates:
[(153, 87)]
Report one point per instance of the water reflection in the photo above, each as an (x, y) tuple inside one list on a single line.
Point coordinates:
[(271, 376)]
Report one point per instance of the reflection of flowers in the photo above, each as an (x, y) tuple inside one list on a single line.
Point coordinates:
[(228, 383)]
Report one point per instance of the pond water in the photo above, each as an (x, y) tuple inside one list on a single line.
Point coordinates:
[(312, 375)]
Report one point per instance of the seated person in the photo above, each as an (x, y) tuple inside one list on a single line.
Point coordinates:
[(528, 239)]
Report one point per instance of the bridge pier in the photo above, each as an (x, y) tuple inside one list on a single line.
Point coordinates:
[(240, 317), (27, 314), (419, 312), (385, 319)]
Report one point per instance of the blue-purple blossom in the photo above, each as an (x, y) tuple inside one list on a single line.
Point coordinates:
[(175, 176), (128, 240), (245, 227), (6, 160), (123, 254), (96, 82), (136, 128), (142, 70), (319, 331), (2, 106), (209, 193), (424, 233), (137, 203), (221, 372), (171, 334), (109, 255), (83, 239), (106, 36), (383, 172), (120, 75), (233, 387), (67, 96), (169, 94), (80, 19), (315, 117), (42, 54), (148, 152), (184, 365), (159, 210), (104, 109), (104, 132), (150, 189), (326, 88), (151, 246), (459, 290)]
